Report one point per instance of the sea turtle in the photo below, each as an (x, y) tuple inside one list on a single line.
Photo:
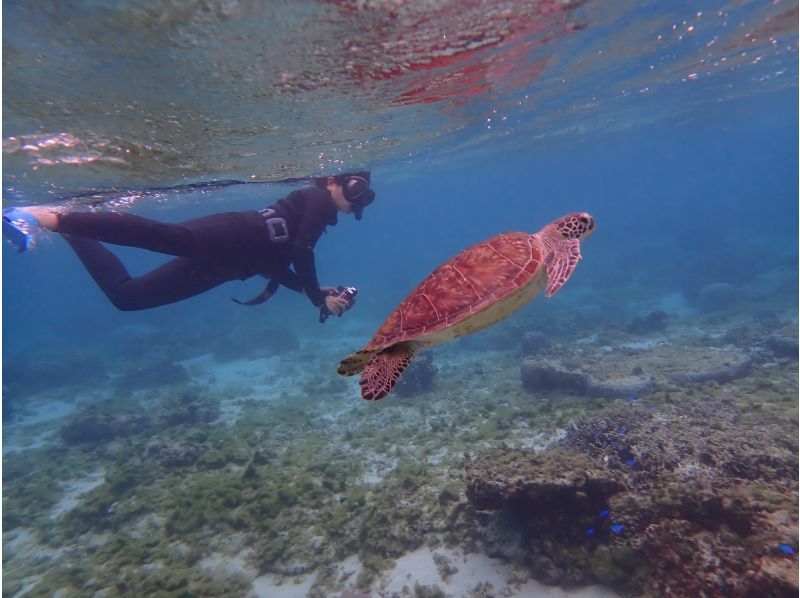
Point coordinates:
[(478, 287)]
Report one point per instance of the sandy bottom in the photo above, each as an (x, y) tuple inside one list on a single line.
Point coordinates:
[(471, 573)]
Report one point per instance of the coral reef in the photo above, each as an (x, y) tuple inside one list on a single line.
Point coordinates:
[(669, 501)]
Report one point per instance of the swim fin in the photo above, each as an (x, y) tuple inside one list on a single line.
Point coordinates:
[(18, 227)]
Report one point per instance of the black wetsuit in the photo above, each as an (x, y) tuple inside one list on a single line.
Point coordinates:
[(211, 250)]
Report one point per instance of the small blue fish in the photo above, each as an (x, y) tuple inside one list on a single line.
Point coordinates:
[(603, 513), (630, 400), (617, 528), (786, 548), (630, 462), (590, 531), (621, 431)]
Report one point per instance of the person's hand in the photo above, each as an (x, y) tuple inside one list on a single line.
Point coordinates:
[(335, 305), (328, 290)]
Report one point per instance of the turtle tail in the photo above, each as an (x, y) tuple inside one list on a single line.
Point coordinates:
[(384, 369), (355, 362)]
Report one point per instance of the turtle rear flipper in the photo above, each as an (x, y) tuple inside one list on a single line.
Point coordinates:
[(355, 362), (384, 369)]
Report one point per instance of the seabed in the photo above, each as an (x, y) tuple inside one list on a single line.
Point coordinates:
[(230, 473)]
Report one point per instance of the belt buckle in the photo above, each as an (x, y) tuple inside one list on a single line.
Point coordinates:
[(276, 226)]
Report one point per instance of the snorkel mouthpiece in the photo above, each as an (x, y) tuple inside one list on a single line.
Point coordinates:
[(357, 192)]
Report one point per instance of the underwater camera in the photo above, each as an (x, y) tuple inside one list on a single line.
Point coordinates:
[(346, 293)]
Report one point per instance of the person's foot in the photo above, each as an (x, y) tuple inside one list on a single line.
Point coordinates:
[(18, 227)]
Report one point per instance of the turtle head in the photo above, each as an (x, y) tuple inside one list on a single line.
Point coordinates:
[(578, 225)]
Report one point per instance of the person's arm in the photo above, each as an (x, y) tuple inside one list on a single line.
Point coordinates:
[(291, 280), (309, 230)]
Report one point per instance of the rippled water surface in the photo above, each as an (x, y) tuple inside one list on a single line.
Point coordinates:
[(143, 93)]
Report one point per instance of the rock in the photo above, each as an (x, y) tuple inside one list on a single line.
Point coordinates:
[(155, 375), (23, 376), (249, 342), (623, 386), (783, 342), (623, 371), (172, 453), (719, 364), (644, 500), (716, 296), (188, 408), (567, 482), (418, 377), (534, 342), (552, 374), (94, 425), (649, 322)]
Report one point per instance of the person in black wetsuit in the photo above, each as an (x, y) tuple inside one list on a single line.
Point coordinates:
[(217, 248)]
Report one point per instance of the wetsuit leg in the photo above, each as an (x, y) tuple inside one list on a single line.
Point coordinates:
[(176, 280), (130, 230)]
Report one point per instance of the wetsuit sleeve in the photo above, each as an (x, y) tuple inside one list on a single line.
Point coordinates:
[(291, 280), (309, 230)]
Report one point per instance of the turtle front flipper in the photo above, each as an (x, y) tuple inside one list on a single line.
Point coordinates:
[(383, 371), (560, 263)]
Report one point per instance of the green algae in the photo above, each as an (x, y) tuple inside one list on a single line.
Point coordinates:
[(619, 567)]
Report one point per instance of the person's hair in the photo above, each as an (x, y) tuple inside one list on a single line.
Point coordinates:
[(340, 179)]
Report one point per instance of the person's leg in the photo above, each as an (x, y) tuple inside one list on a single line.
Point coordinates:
[(126, 229), (176, 280)]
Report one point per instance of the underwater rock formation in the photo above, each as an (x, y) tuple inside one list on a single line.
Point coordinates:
[(187, 408), (98, 423), (783, 342), (716, 295), (245, 342), (554, 374), (172, 453), (154, 375), (635, 369), (94, 424), (649, 322), (418, 377), (56, 369), (698, 499), (718, 364), (534, 342)]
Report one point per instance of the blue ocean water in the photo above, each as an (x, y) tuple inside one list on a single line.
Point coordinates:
[(675, 126)]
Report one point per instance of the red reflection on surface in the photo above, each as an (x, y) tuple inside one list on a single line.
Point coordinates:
[(459, 49)]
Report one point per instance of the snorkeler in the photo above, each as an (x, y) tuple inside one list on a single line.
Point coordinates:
[(210, 250)]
